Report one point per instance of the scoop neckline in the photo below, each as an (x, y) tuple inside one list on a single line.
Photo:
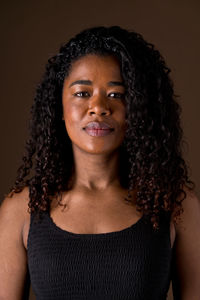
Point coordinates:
[(94, 235)]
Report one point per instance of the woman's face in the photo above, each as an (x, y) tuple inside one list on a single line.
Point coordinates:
[(93, 104)]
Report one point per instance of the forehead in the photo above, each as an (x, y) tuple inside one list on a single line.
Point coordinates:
[(92, 64)]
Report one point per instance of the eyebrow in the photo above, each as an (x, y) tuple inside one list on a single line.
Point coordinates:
[(89, 82)]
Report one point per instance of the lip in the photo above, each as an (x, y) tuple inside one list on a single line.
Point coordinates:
[(98, 129), (97, 125)]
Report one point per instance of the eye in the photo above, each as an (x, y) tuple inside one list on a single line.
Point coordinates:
[(116, 95), (81, 94)]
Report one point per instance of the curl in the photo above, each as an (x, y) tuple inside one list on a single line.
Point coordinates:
[(151, 156)]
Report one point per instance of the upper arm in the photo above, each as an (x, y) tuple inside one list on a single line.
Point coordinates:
[(13, 261), (186, 262)]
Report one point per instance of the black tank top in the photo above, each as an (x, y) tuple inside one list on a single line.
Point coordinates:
[(133, 263)]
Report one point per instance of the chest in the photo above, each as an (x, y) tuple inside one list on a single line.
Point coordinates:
[(93, 214), (128, 264), (93, 217)]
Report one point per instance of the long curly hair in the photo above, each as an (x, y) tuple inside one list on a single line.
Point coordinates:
[(151, 156)]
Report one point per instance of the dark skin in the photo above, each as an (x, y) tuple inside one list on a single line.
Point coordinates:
[(95, 203), (97, 195)]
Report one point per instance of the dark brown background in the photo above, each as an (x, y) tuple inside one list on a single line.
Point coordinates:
[(32, 31)]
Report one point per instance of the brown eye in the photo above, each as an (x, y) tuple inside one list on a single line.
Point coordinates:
[(116, 95), (82, 94)]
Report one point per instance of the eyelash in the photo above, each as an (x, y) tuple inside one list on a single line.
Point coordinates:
[(76, 94), (119, 95)]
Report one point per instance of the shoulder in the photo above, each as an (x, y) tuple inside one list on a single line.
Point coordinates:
[(186, 267), (190, 216), (13, 256), (14, 207), (16, 200)]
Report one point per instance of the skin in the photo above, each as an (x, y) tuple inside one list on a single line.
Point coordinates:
[(95, 101), (97, 195)]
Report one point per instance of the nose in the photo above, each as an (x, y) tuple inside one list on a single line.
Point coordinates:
[(99, 105)]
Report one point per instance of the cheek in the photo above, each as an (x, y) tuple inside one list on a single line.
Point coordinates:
[(73, 115)]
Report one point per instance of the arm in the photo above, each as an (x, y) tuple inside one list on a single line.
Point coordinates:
[(13, 261), (186, 261)]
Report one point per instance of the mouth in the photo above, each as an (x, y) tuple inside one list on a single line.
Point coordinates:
[(98, 129)]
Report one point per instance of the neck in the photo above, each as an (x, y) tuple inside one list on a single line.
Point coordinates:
[(96, 171)]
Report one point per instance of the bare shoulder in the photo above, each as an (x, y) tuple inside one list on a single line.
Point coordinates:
[(17, 200), (188, 219), (191, 212), (13, 256), (186, 268), (14, 207)]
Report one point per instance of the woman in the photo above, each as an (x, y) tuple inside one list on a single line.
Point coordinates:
[(108, 211)]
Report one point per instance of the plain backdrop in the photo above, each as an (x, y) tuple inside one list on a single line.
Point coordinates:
[(33, 31)]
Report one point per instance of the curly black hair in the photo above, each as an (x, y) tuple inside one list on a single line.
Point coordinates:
[(151, 156)]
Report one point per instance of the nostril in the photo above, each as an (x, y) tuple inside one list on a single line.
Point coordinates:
[(99, 111), (92, 112)]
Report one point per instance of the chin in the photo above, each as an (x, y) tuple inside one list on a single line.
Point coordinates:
[(96, 150)]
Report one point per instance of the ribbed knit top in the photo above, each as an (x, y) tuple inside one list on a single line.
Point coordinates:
[(133, 263)]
